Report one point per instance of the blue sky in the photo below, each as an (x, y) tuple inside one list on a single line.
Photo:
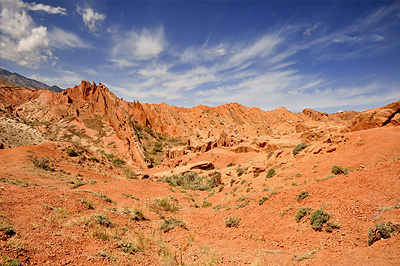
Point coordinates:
[(325, 55)]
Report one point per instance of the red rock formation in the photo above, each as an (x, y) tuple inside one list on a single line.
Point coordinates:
[(378, 117)]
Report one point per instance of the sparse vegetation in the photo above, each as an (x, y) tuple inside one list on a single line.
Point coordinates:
[(206, 204), (302, 195), (331, 225), (303, 256), (264, 199), (128, 247), (137, 215), (318, 218), (6, 227), (11, 261), (43, 163), (232, 221), (298, 148), (240, 171), (192, 181), (89, 203), (102, 220), (241, 205), (169, 203), (382, 230), (170, 223), (337, 170), (231, 164), (271, 173), (73, 151), (302, 212)]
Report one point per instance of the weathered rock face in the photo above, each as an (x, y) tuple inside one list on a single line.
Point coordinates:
[(376, 117)]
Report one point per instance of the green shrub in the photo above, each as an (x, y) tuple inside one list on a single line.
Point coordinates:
[(101, 233), (271, 173), (302, 212), (264, 199), (137, 215), (128, 247), (192, 180), (6, 227), (298, 148), (331, 225), (118, 162), (89, 203), (130, 174), (102, 220), (11, 262), (382, 230), (241, 205), (73, 151), (230, 164), (158, 147), (170, 224), (240, 171), (302, 195), (169, 203), (318, 218), (206, 204), (303, 256), (43, 163), (232, 221), (337, 170)]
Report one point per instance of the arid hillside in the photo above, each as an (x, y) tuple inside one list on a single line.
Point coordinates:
[(87, 178)]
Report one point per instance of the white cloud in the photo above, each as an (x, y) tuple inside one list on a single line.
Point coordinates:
[(134, 46), (20, 40), (346, 39), (46, 8), (66, 40), (91, 18), (309, 29), (262, 72), (263, 47)]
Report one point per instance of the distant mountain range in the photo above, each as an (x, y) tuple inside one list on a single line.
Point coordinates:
[(20, 80)]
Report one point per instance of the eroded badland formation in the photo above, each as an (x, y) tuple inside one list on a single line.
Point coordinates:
[(87, 178)]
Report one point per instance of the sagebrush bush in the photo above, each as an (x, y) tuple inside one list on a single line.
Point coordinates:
[(43, 163), (169, 203), (232, 221), (128, 247), (298, 148), (271, 173), (193, 181), (73, 151), (302, 212), (302, 195), (382, 230), (137, 215), (318, 218), (331, 225), (102, 220), (11, 261), (89, 203), (6, 227), (170, 223), (337, 170)]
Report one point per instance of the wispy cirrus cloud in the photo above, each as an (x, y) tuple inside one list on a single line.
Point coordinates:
[(132, 47), (64, 40), (46, 8), (264, 71), (91, 18)]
